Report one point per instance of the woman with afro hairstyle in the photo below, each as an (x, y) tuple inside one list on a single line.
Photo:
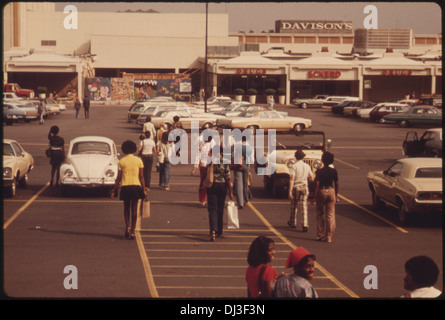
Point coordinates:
[(130, 177), (260, 275)]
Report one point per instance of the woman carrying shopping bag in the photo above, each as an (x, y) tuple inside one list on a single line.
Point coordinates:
[(216, 194)]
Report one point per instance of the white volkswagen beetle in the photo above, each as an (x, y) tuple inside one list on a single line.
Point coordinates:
[(91, 162)]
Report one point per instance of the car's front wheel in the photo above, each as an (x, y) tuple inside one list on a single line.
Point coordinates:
[(402, 213), (304, 105), (11, 190), (377, 203), (298, 127)]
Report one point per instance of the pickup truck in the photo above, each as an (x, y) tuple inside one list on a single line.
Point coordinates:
[(316, 101), (14, 87)]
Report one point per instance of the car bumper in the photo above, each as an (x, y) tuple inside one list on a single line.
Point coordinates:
[(87, 183)]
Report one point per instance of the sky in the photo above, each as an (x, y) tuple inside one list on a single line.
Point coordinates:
[(422, 17)]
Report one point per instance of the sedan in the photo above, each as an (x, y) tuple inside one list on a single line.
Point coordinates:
[(265, 119), (15, 111), (17, 164), (91, 162), (381, 110), (412, 185), (186, 116), (423, 115)]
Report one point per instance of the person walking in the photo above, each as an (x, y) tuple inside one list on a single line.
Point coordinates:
[(162, 128), (148, 126), (271, 102), (202, 160), (86, 106), (421, 276), (241, 174), (42, 111), (300, 174), (147, 149), (77, 105), (297, 285), (164, 149), (57, 154), (130, 178), (216, 195), (260, 275), (325, 195)]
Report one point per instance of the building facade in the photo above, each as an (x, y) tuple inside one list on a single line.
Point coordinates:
[(305, 56)]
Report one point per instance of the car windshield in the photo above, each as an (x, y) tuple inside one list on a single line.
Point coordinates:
[(7, 150), (91, 147), (428, 173), (294, 140)]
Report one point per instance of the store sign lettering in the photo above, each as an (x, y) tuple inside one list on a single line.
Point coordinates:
[(324, 74), (397, 72), (250, 71)]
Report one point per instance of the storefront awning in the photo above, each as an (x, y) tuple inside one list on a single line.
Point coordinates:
[(43, 62)]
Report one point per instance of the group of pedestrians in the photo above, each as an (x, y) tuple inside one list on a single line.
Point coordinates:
[(325, 194), (263, 280), (86, 106)]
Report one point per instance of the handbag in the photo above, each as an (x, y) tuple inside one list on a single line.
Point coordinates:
[(48, 153), (145, 208), (208, 180), (232, 215)]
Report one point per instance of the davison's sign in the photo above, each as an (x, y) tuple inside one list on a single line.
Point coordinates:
[(311, 26)]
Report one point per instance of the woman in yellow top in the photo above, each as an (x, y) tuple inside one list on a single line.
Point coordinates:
[(131, 179)]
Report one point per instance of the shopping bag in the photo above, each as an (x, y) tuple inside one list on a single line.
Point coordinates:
[(208, 180), (232, 214), (145, 208)]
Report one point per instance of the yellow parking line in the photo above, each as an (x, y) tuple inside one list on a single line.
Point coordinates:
[(26, 205), (373, 214), (284, 239), (347, 163)]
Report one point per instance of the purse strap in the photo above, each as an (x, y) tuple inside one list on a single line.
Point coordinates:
[(260, 280)]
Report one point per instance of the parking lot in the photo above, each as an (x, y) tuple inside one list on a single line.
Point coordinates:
[(171, 256)]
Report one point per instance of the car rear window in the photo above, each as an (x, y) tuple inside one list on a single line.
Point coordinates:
[(429, 173), (91, 147)]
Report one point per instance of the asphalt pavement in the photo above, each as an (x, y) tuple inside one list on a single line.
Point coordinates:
[(171, 257)]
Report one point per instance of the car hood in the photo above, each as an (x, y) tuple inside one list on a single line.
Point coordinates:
[(8, 161), (283, 155), (91, 165)]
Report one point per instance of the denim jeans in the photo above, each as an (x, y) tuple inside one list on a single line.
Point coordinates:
[(240, 185), (164, 173), (216, 198)]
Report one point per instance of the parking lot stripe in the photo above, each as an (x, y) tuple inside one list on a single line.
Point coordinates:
[(284, 239), (373, 214), (26, 205)]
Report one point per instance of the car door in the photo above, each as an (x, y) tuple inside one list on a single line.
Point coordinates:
[(264, 120), (386, 186), (411, 144), (20, 158)]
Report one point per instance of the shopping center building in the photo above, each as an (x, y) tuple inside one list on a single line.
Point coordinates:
[(137, 54)]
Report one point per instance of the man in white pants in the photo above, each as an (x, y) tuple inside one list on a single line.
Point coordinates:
[(300, 174)]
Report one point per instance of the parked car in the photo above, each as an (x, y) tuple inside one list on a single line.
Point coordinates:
[(14, 87), (153, 108), (91, 162), (264, 119), (17, 165), (187, 117), (235, 111), (313, 143), (316, 101), (338, 109), (428, 145), (15, 111), (434, 100), (418, 115), (137, 108), (352, 111), (227, 106), (379, 111), (412, 185), (212, 102), (52, 107), (334, 100), (11, 96)]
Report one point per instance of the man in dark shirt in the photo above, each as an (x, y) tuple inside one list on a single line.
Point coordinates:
[(86, 106)]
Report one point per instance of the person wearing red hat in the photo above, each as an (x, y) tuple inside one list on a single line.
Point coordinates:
[(297, 285)]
